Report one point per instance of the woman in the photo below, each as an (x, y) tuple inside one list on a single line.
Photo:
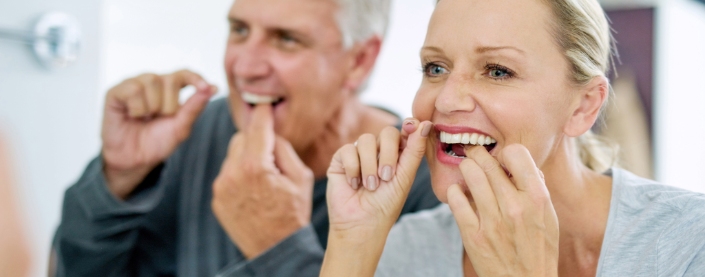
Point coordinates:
[(509, 94)]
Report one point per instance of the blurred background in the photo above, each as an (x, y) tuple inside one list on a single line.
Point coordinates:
[(51, 115)]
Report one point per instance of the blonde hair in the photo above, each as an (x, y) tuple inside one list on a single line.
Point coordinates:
[(582, 30)]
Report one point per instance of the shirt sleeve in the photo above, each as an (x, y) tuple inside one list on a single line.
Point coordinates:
[(298, 255), (99, 235)]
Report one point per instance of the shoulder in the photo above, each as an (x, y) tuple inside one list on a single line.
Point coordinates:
[(652, 226), (636, 194)]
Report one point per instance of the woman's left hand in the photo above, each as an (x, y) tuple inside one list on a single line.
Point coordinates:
[(513, 228)]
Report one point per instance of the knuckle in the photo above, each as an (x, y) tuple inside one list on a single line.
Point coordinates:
[(253, 168), (150, 78), (366, 138), (515, 212), (129, 87), (489, 166), (389, 131)]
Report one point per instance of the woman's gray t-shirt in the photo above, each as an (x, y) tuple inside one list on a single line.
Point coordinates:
[(652, 230)]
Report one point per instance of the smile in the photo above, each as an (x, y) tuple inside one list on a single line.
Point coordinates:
[(256, 99), (454, 144)]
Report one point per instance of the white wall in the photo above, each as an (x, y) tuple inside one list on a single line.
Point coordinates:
[(51, 117), (679, 99)]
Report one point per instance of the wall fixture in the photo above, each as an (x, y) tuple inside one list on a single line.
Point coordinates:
[(56, 39)]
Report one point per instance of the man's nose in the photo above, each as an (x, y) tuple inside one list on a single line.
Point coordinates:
[(457, 95), (252, 61)]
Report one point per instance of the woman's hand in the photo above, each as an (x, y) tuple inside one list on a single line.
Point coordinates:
[(368, 183), (512, 230)]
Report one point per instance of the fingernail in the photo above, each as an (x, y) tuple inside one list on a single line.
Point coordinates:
[(371, 182), (387, 173), (355, 183), (426, 130), (202, 85), (408, 122)]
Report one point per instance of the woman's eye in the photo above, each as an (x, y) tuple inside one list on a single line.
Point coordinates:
[(498, 73), (434, 70)]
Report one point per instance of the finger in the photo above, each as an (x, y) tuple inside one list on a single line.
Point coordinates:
[(131, 93), (260, 133), (480, 189), (173, 84), (194, 106), (290, 164), (153, 91), (410, 158), (408, 127), (367, 150), (518, 160), (350, 161), (462, 210), (500, 184), (388, 152)]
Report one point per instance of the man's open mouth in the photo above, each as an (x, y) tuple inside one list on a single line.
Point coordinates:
[(454, 144), (256, 99)]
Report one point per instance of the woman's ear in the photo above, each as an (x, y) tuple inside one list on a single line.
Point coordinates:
[(589, 103), (364, 56)]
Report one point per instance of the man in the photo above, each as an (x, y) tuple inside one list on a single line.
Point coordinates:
[(237, 188)]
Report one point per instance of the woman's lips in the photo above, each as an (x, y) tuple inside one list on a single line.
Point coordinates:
[(452, 140)]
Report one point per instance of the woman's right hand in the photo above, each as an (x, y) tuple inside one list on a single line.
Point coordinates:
[(368, 183)]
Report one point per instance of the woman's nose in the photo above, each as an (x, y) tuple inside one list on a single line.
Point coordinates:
[(457, 95)]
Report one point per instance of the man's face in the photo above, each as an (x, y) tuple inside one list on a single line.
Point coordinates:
[(289, 53)]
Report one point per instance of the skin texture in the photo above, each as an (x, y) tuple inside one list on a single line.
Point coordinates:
[(14, 252), (506, 77)]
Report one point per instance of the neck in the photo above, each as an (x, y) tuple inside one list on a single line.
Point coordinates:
[(581, 198), (351, 121)]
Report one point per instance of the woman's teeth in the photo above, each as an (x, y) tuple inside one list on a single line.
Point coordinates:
[(466, 138), (254, 99)]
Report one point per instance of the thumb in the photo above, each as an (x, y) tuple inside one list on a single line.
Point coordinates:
[(413, 153), (289, 163), (193, 107)]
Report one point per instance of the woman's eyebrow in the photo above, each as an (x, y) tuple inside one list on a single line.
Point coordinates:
[(485, 49), (431, 49)]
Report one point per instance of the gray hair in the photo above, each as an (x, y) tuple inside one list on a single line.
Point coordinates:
[(359, 20)]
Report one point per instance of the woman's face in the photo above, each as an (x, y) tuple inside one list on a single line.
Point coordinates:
[(491, 69)]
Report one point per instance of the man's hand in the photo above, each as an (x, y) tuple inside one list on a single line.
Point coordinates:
[(143, 124), (263, 192)]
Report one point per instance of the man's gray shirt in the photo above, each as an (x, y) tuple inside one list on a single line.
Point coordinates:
[(652, 230), (167, 227)]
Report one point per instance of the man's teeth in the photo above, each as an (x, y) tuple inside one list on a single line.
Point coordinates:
[(466, 138), (255, 99)]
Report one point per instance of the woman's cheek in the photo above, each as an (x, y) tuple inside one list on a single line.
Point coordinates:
[(423, 105)]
